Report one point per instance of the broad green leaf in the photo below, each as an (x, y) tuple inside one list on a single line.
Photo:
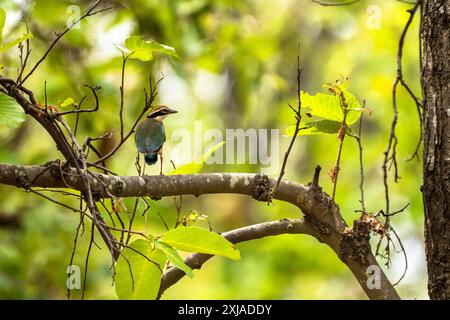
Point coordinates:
[(194, 239), (322, 105), (146, 275), (139, 49), (196, 165), (143, 49), (13, 43), (2, 24), (6, 46), (159, 47), (174, 258), (122, 49), (354, 107), (66, 103), (11, 114), (316, 127), (328, 106)]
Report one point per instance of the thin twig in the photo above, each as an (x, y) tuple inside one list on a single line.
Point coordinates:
[(252, 232), (88, 13), (122, 84), (391, 153), (338, 4), (55, 201), (74, 246), (341, 136), (27, 55), (147, 106), (78, 110), (141, 254), (298, 118), (404, 255), (358, 139), (86, 263)]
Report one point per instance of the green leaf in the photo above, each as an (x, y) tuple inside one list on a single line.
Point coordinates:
[(193, 215), (174, 258), (6, 46), (354, 108), (196, 165), (146, 275), (137, 48), (2, 24), (316, 127), (123, 49), (13, 43), (66, 103), (328, 106), (322, 105), (194, 239), (162, 48), (11, 113)]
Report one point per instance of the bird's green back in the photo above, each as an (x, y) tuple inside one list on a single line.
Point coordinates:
[(150, 136)]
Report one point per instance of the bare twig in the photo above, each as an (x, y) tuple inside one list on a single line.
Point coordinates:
[(386, 254), (141, 254), (86, 262), (91, 11), (337, 4), (55, 201), (312, 202), (252, 232), (24, 60), (341, 135), (77, 118), (102, 203), (122, 84), (78, 110), (31, 107), (298, 118), (74, 246), (405, 256), (358, 139), (391, 154), (147, 106), (87, 194)]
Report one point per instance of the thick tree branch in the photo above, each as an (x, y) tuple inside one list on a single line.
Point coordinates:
[(435, 32), (253, 232), (43, 118), (351, 247)]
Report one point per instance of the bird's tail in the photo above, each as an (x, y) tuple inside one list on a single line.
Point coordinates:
[(151, 158)]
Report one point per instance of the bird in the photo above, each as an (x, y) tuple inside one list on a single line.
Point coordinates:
[(150, 135)]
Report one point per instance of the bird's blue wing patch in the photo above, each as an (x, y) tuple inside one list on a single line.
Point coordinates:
[(150, 136)]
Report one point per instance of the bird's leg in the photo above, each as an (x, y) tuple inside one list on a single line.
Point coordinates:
[(140, 170), (161, 157)]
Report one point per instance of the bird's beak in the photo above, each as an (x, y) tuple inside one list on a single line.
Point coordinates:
[(169, 111)]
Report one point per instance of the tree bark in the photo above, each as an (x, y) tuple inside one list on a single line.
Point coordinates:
[(435, 26), (321, 213)]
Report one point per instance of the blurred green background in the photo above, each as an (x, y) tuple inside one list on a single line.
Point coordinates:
[(237, 70)]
